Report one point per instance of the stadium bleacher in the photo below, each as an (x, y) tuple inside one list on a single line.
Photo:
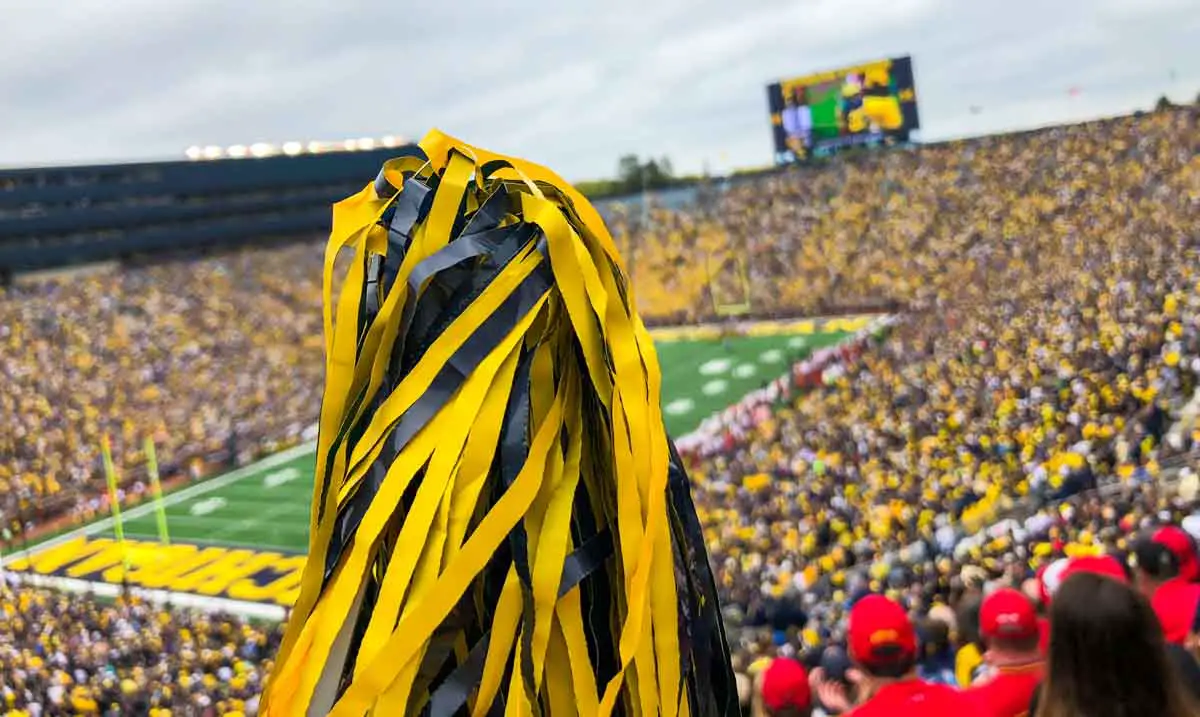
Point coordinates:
[(1018, 412), (71, 654)]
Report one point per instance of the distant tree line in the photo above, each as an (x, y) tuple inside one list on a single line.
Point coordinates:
[(1165, 103), (634, 175)]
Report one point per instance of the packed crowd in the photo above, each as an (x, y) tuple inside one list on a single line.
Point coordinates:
[(1051, 331), (1090, 636), (63, 654), (1053, 328), (204, 357)]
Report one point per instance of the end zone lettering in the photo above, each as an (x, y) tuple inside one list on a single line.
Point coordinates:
[(233, 573)]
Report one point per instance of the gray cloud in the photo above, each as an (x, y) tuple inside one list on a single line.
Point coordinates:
[(570, 84)]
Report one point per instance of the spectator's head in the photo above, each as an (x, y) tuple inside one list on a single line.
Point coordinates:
[(883, 642), (785, 690), (835, 664), (944, 614), (1107, 654), (934, 637), (1156, 564), (1008, 624), (1182, 546)]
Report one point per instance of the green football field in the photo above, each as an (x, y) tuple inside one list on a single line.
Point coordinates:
[(265, 506)]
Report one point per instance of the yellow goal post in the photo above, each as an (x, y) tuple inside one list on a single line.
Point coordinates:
[(728, 305)]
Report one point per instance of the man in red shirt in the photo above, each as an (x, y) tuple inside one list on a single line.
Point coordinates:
[(1008, 624), (1160, 578), (883, 646)]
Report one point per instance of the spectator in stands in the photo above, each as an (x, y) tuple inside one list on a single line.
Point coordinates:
[(968, 660), (884, 650), (994, 394), (1175, 601), (202, 356), (937, 652), (1183, 547), (1009, 625), (784, 689), (1107, 655)]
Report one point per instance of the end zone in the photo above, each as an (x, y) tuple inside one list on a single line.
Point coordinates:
[(216, 578)]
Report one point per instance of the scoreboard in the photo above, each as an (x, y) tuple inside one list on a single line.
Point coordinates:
[(865, 105)]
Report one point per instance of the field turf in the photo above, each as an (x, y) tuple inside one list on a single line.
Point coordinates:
[(264, 507)]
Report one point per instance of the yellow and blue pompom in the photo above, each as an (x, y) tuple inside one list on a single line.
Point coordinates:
[(500, 523)]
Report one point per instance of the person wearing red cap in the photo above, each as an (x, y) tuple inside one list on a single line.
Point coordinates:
[(784, 690), (883, 646), (1160, 579), (1008, 623), (1181, 545)]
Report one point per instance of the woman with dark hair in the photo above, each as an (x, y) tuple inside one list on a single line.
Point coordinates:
[(1107, 655)]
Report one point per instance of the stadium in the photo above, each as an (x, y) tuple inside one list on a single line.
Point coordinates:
[(925, 373)]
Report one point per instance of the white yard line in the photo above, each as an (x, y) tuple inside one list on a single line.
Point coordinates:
[(237, 519), (179, 496), (236, 496), (253, 522)]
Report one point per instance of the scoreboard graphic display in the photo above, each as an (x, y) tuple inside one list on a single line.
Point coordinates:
[(869, 104)]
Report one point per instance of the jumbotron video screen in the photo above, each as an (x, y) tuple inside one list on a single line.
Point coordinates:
[(817, 115)]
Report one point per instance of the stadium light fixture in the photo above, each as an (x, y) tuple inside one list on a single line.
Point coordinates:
[(292, 148)]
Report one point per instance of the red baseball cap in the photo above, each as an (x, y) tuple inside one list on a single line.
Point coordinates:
[(1099, 564), (785, 684), (1182, 547), (1007, 613), (880, 632), (1060, 570)]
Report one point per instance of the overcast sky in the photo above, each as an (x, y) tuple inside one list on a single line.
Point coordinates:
[(571, 84)]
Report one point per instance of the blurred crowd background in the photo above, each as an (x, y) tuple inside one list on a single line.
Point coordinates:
[(71, 654), (1031, 405)]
